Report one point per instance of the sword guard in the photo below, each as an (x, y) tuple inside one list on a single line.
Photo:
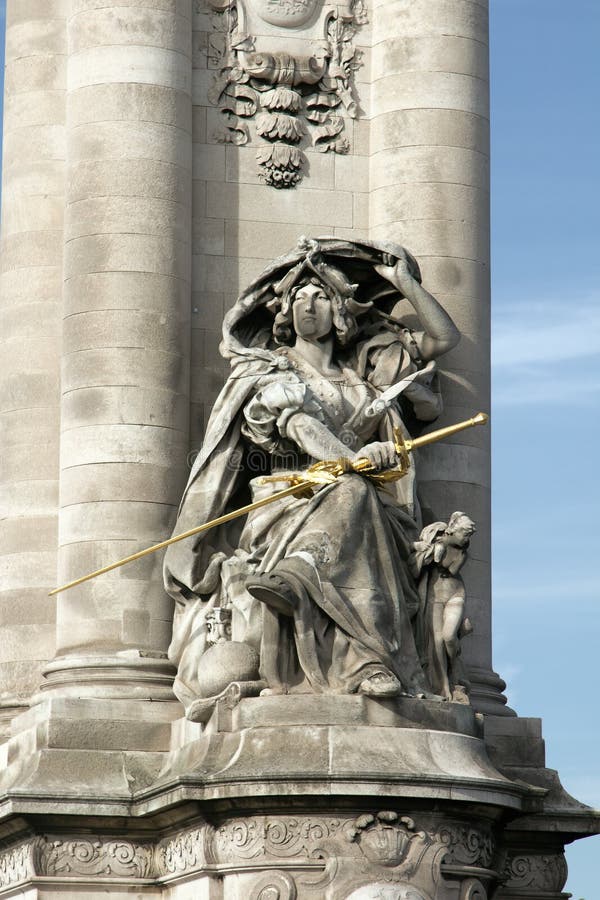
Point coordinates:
[(402, 449)]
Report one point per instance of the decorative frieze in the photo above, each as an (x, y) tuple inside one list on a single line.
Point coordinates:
[(467, 846), (532, 872), (95, 856), (299, 855), (17, 863)]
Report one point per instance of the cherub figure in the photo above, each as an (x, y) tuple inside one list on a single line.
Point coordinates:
[(435, 562)]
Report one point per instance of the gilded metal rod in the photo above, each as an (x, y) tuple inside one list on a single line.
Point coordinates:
[(287, 492), (297, 488), (441, 433)]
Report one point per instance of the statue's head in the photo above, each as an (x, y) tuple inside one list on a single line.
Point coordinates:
[(313, 309), (340, 277), (315, 298), (460, 530)]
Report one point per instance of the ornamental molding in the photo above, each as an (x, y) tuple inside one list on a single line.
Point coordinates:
[(544, 872), (466, 845), (284, 79), (95, 856), (17, 863), (300, 854)]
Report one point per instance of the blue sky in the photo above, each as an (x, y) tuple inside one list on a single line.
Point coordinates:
[(546, 383), (546, 371)]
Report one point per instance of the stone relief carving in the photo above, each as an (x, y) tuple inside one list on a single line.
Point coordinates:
[(467, 846), (536, 873), (436, 561), (320, 371), (96, 856), (472, 889), (380, 891), (17, 863), (301, 855), (274, 886), (384, 838), (186, 851), (288, 95)]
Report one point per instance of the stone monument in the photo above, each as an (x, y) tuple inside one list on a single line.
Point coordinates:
[(245, 253)]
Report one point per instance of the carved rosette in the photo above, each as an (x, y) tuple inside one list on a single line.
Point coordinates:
[(532, 873), (285, 98)]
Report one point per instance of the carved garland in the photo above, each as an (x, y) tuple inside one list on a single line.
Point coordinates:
[(292, 96)]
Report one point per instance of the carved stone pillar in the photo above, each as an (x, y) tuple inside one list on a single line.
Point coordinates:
[(33, 173), (429, 187), (125, 364)]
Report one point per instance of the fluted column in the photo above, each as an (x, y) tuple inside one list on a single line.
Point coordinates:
[(30, 312), (125, 362), (429, 181)]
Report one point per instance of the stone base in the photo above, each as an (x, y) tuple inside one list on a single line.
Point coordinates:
[(281, 798)]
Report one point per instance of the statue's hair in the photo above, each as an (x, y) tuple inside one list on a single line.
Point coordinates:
[(456, 518), (344, 322)]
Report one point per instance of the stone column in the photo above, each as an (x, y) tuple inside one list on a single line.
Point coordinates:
[(125, 362), (429, 180), (30, 289)]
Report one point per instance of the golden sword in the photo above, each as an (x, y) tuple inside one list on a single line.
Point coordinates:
[(324, 472)]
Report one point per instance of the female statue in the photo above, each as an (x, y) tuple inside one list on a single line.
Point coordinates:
[(319, 586)]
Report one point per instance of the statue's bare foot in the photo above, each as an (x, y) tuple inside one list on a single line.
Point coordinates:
[(274, 591), (380, 684)]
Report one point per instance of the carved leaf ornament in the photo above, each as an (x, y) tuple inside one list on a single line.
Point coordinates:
[(285, 98)]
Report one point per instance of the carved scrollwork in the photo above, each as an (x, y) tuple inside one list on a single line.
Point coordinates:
[(274, 886), (95, 856), (472, 889), (184, 852), (467, 846), (281, 838), (533, 872)]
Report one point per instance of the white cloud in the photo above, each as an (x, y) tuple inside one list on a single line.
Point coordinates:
[(581, 589), (547, 353), (533, 333)]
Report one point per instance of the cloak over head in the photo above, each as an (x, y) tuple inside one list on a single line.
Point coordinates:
[(345, 268)]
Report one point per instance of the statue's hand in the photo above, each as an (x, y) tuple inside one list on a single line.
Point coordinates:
[(381, 454), (396, 271)]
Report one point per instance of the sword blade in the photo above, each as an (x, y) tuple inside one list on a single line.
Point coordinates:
[(297, 488)]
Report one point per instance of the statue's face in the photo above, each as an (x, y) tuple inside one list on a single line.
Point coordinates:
[(462, 533), (311, 313)]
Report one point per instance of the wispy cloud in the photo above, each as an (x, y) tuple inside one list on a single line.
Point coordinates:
[(580, 589), (540, 350)]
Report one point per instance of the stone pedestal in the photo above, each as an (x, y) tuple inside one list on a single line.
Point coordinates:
[(287, 797)]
